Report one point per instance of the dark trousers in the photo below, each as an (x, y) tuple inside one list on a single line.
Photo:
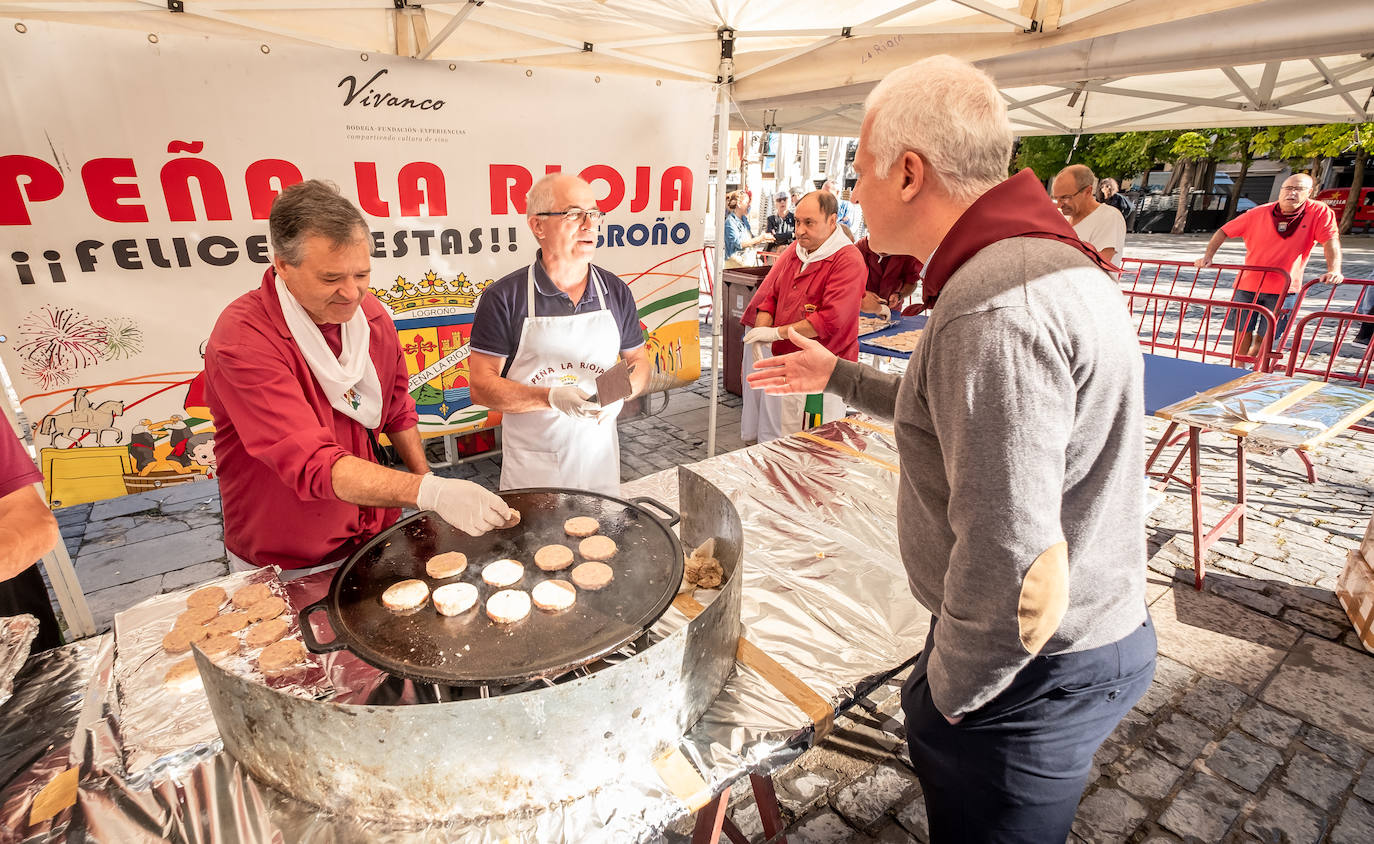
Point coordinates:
[(1014, 770)]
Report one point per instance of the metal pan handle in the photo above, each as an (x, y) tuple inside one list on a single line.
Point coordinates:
[(308, 633), (645, 503)]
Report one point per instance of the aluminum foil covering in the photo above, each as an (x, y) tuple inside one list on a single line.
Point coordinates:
[(59, 717), (1310, 420), (825, 595), (167, 729), (17, 633)]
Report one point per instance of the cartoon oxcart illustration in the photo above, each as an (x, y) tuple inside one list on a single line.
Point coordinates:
[(84, 418)]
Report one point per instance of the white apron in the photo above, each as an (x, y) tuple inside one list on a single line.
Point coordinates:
[(765, 418), (544, 447)]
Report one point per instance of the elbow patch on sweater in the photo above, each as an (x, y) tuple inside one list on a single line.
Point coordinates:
[(1044, 597)]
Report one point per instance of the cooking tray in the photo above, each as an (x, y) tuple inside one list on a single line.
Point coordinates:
[(471, 649)]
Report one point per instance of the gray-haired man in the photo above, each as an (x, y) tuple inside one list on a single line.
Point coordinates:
[(301, 374)]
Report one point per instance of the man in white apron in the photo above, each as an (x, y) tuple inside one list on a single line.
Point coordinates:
[(815, 288), (540, 337)]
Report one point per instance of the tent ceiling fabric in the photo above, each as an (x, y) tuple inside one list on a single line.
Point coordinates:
[(806, 65)]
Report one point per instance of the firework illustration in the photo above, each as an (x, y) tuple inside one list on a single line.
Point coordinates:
[(57, 342), (44, 374), (123, 338)]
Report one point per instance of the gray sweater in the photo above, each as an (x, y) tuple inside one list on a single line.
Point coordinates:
[(1020, 428)]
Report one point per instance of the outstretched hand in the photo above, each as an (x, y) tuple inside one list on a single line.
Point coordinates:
[(805, 371)]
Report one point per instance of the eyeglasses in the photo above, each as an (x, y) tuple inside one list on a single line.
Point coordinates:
[(1294, 189), (576, 215), (1066, 197)]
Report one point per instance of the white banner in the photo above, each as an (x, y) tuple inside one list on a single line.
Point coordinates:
[(136, 179)]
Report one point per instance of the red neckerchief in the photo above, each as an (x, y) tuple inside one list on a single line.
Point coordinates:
[(1286, 225), (1018, 207)]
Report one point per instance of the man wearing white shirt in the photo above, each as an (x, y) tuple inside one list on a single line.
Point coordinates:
[(1097, 224)]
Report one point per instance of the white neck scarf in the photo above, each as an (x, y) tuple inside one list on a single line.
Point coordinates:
[(833, 244), (350, 379)]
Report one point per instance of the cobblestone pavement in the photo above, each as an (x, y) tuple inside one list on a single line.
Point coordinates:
[(1258, 727)]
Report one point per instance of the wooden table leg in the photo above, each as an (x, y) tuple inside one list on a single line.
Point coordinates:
[(766, 798), (710, 818), (1195, 478)]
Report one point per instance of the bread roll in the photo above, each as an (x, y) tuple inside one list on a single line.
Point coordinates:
[(455, 598), (508, 606), (405, 595), (554, 595), (503, 573)]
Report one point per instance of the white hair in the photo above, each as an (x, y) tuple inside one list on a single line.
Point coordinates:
[(950, 113)]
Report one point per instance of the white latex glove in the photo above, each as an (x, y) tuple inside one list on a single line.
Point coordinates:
[(762, 334), (471, 508), (884, 312), (569, 400), (609, 412)]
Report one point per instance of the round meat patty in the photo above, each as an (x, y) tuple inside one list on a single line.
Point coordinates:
[(183, 676), (197, 615), (512, 519), (251, 594), (220, 645), (178, 640), (405, 595), (231, 622), (266, 632), (592, 576), (553, 557), (281, 658), (554, 595), (209, 596), (455, 598), (598, 548), (581, 526), (446, 565), (508, 606), (263, 610), (503, 573)]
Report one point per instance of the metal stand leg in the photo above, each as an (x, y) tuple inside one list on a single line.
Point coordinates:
[(70, 599), (710, 819), (766, 798), (1240, 490), (1194, 475), (1307, 464)]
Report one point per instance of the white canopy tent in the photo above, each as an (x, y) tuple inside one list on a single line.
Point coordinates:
[(806, 65)]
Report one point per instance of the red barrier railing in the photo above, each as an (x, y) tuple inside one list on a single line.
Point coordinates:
[(1198, 327), (1324, 347)]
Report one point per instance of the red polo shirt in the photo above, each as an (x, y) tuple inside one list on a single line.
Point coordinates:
[(1265, 248), (16, 467), (827, 295), (277, 437)]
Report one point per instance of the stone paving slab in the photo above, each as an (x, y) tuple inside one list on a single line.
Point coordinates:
[(1329, 685), (1220, 638)]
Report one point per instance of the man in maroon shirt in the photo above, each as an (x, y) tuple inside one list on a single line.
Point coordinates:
[(891, 278), (27, 532), (300, 376)]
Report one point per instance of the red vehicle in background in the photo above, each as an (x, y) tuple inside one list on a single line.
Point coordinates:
[(1337, 197)]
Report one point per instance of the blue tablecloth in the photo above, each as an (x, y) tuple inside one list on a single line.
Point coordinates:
[(909, 323), (1169, 380)]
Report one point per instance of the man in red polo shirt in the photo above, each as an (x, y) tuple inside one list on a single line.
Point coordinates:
[(300, 376), (814, 289), (1281, 235), (27, 532)]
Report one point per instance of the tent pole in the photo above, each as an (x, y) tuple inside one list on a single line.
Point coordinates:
[(727, 66)]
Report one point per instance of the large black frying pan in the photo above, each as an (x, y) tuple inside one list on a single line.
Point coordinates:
[(470, 649)]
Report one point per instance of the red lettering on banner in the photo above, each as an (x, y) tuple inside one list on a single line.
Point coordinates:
[(508, 181), (369, 197), (42, 182), (257, 179), (176, 179), (431, 196), (606, 173), (676, 187), (641, 198), (104, 193)]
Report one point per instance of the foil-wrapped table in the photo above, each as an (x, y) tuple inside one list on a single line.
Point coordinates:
[(826, 615)]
